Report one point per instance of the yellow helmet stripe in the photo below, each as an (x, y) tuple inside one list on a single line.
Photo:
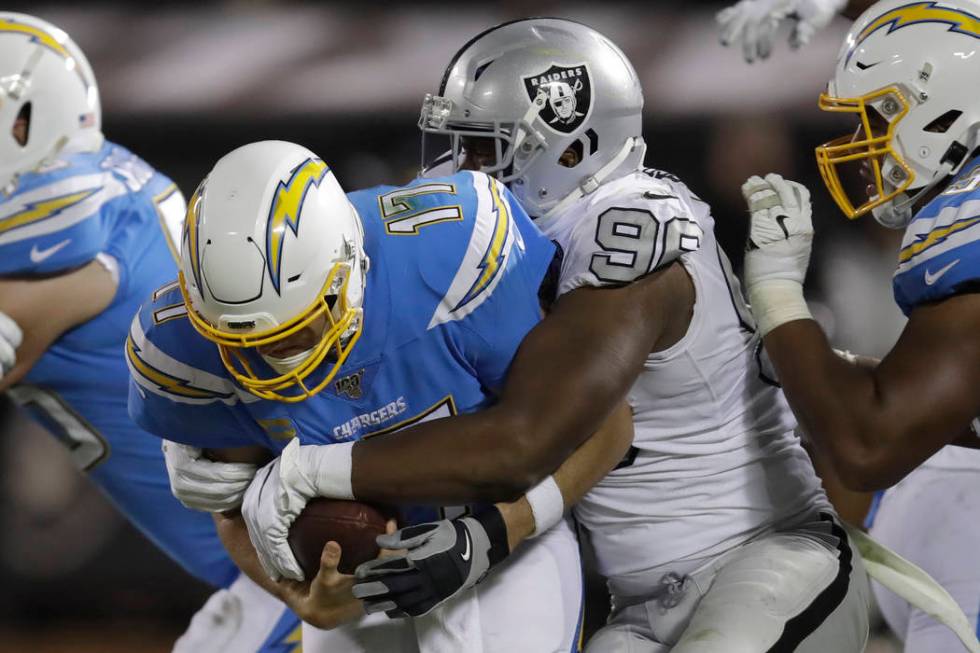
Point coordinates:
[(287, 204), (935, 237), (493, 258), (36, 34), (164, 381), (37, 211), (917, 13)]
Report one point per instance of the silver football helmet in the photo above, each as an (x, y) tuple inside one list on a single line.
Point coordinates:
[(561, 103)]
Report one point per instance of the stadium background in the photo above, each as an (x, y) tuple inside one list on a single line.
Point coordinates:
[(184, 82)]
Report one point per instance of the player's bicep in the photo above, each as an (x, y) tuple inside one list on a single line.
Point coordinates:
[(927, 383)]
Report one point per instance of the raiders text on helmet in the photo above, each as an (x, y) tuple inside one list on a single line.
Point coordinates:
[(909, 73), (540, 87)]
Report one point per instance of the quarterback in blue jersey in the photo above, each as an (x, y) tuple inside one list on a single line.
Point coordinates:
[(305, 319), (84, 236)]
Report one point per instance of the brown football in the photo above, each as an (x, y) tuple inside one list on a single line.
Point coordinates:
[(351, 524)]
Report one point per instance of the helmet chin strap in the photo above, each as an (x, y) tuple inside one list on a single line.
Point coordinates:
[(287, 364), (591, 183), (897, 214)]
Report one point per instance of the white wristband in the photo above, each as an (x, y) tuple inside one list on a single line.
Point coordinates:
[(318, 470), (547, 505), (777, 302)]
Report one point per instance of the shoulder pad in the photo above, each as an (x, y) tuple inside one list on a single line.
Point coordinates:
[(627, 229), (940, 252), (167, 357)]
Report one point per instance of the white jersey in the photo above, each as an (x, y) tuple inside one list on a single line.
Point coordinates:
[(715, 459)]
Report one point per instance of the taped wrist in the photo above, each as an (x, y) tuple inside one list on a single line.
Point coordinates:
[(547, 505), (777, 302), (496, 529)]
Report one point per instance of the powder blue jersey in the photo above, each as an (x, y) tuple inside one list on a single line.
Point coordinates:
[(451, 292), (940, 253), (59, 218)]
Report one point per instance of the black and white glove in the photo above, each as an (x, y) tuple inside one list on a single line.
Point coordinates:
[(441, 560)]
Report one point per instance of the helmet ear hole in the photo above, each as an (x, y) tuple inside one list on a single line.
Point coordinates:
[(21, 129), (942, 124), (573, 154)]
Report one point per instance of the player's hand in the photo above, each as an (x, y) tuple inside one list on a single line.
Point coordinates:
[(269, 508), (10, 339), (778, 249), (202, 484), (326, 601), (780, 231), (440, 560), (754, 23)]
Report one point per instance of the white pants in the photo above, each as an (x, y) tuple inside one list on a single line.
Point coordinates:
[(241, 619), (932, 518), (803, 589), (531, 603)]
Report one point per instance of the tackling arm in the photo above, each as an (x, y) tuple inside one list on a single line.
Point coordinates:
[(46, 308), (876, 425), (568, 374)]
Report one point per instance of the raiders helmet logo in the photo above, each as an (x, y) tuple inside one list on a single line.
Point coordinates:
[(568, 93)]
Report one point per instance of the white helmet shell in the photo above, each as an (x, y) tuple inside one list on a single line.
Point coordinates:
[(43, 72), (930, 53)]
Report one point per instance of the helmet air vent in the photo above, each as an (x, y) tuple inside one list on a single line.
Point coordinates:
[(942, 124)]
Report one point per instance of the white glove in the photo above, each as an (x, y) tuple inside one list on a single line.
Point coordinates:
[(778, 249), (10, 339), (754, 23), (202, 484), (280, 491)]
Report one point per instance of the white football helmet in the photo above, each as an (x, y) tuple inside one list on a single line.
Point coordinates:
[(272, 250), (45, 77), (914, 66), (538, 87)]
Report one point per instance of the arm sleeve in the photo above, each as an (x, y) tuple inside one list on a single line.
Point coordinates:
[(176, 388), (489, 337)]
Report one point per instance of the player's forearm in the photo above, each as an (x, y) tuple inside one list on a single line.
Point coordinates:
[(234, 535), (840, 407), (568, 375), (576, 476), (79, 296)]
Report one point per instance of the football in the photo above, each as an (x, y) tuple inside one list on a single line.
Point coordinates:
[(351, 524)]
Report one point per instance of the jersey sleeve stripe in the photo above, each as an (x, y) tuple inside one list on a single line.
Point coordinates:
[(486, 254), (166, 376)]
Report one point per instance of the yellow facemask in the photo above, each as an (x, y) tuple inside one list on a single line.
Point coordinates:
[(343, 329), (865, 145)]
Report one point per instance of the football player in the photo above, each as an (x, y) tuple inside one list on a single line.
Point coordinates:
[(906, 73), (304, 320), (83, 238), (714, 532), (754, 22)]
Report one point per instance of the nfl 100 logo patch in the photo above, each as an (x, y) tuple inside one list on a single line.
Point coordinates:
[(350, 385), (568, 95)]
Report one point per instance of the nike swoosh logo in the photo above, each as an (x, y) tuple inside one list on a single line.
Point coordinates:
[(933, 277), (41, 255), (466, 552)]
